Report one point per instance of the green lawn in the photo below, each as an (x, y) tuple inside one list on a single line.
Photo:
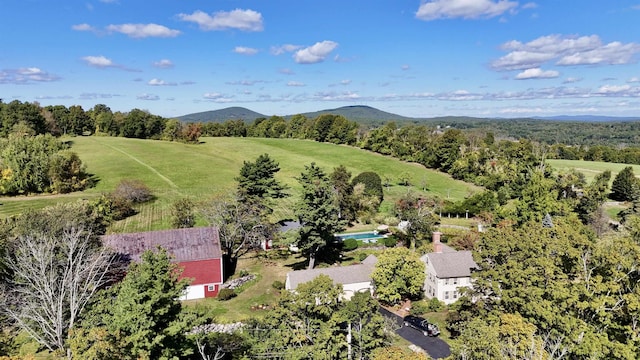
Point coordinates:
[(175, 170), (591, 168)]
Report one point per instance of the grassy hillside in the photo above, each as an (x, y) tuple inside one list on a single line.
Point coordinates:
[(200, 172), (591, 168)]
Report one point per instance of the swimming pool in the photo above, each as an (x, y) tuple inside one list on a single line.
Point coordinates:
[(366, 237)]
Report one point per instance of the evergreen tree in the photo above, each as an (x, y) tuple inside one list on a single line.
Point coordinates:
[(625, 186), (343, 189), (317, 212), (140, 317), (257, 182)]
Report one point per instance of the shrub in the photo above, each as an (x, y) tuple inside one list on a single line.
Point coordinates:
[(361, 256), (419, 307), (434, 305), (132, 190), (226, 294), (243, 272), (349, 244), (390, 241), (278, 285)]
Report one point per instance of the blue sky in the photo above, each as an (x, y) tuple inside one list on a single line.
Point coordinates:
[(279, 57)]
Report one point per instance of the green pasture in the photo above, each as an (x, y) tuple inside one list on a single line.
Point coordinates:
[(591, 168), (201, 171)]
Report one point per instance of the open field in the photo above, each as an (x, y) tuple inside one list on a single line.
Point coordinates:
[(175, 170), (591, 168)]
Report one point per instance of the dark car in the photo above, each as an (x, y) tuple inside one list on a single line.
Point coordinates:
[(421, 324)]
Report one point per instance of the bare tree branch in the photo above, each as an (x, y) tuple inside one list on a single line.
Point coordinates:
[(53, 280)]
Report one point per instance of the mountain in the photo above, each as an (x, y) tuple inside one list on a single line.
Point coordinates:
[(222, 115), (358, 113), (361, 114), (588, 118)]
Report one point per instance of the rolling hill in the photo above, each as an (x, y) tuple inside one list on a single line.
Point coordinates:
[(199, 172), (222, 115)]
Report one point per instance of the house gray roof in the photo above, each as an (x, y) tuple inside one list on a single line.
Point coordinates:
[(340, 274), (451, 264), (190, 244)]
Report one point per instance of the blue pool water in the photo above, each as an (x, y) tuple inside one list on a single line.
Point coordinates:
[(364, 236)]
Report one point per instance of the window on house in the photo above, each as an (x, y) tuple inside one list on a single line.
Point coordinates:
[(446, 281), (455, 281), (211, 288), (455, 294), (446, 294)]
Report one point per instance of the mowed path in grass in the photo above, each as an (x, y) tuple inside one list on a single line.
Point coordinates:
[(201, 171)]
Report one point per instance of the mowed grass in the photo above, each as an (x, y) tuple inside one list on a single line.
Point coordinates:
[(203, 171), (591, 168)]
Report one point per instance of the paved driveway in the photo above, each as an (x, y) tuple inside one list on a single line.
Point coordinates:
[(434, 346)]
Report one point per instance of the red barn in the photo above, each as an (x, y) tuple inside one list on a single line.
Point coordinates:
[(196, 250)]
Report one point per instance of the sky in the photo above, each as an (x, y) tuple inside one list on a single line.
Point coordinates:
[(484, 58)]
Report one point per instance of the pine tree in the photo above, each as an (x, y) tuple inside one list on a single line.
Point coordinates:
[(625, 186), (317, 212)]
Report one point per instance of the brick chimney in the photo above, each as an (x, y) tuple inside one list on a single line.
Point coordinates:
[(437, 245)]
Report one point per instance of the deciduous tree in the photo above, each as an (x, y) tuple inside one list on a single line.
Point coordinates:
[(398, 274)]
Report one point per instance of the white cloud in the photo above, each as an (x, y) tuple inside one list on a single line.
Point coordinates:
[(315, 53), (163, 64), (145, 96), (99, 61), (633, 80), (537, 73), (245, 20), (295, 83), (245, 50), (286, 48), (286, 71), (615, 53), (217, 97), (571, 80), (159, 82), (467, 9), (405, 67), (143, 30), (530, 5), (566, 50), (333, 96), (26, 76), (614, 89), (83, 27), (345, 82)]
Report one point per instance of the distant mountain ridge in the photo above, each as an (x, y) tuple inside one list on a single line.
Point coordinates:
[(373, 116)]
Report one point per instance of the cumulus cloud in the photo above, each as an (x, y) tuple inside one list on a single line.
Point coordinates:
[(565, 50), (143, 30), (217, 97), (537, 73), (245, 20), (315, 53), (295, 83), (145, 96), (466, 9), (286, 48), (245, 50), (336, 96), (159, 82), (94, 96), (26, 75), (614, 89), (405, 67), (163, 64), (99, 61), (633, 80)]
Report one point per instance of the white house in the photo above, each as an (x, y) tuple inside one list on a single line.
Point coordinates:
[(447, 271), (353, 278)]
